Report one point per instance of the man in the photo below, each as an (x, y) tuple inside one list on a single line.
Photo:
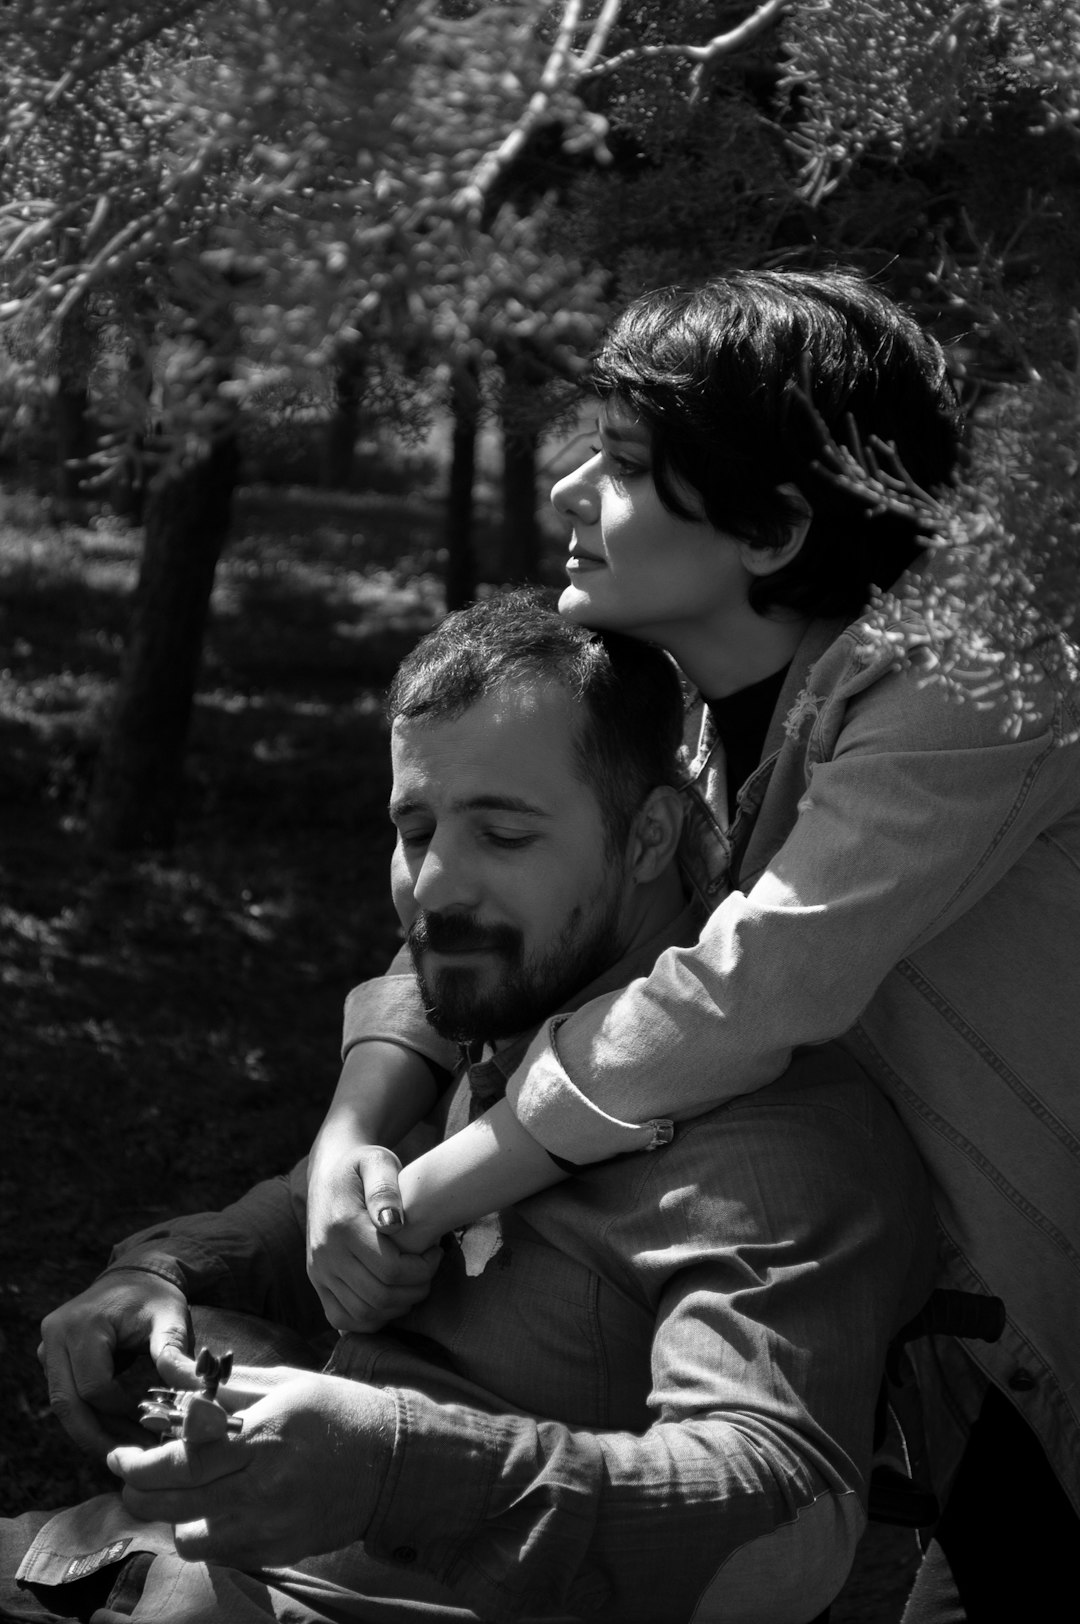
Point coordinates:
[(649, 1394)]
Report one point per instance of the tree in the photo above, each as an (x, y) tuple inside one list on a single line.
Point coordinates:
[(266, 189), (155, 164), (244, 171)]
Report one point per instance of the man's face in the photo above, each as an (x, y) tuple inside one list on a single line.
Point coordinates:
[(501, 874)]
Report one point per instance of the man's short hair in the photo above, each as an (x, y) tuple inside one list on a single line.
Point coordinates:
[(630, 696), (721, 373)]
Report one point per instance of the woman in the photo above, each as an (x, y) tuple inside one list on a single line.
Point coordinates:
[(888, 843)]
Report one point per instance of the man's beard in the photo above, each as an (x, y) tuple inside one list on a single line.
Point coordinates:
[(509, 994)]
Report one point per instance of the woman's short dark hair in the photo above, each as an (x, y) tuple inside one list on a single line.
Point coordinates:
[(721, 375), (631, 700)]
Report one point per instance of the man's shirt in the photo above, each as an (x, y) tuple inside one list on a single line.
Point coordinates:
[(656, 1400)]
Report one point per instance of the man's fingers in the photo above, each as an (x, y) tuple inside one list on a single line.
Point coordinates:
[(378, 1169), (175, 1467), (345, 1311), (194, 1541), (383, 1268), (223, 1538), (175, 1366), (82, 1365), (369, 1305), (170, 1345), (70, 1389)]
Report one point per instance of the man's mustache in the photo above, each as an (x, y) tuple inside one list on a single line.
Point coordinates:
[(460, 933)]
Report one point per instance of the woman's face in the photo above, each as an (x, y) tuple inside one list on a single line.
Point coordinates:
[(633, 566)]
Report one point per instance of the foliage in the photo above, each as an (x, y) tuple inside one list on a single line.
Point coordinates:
[(443, 181), (302, 178), (1027, 464), (261, 192), (1001, 577), (893, 79)]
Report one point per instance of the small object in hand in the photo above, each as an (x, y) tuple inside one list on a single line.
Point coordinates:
[(197, 1418)]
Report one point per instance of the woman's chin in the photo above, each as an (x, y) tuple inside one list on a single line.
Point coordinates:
[(577, 605)]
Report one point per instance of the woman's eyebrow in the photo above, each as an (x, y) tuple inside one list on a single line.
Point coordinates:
[(623, 433)]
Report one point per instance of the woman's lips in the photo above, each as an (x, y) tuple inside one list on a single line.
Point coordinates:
[(582, 563)]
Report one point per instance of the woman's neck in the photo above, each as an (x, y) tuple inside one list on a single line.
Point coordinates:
[(722, 659)]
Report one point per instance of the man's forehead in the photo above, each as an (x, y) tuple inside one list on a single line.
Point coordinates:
[(516, 742)]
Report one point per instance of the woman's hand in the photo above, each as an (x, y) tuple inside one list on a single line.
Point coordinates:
[(362, 1277)]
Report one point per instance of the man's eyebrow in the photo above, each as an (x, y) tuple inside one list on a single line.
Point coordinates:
[(403, 809), (475, 803), (502, 803)]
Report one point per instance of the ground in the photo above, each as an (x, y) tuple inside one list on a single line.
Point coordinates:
[(169, 1027)]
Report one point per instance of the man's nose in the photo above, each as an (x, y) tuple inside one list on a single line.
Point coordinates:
[(575, 496), (444, 881)]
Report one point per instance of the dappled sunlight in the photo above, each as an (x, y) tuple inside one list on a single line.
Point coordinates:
[(171, 1025)]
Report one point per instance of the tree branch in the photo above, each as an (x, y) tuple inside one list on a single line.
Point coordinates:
[(609, 13), (699, 55), (107, 58), (470, 199)]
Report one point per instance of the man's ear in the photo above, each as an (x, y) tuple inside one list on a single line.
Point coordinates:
[(767, 560), (654, 834)]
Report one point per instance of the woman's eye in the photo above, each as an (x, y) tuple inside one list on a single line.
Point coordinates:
[(625, 467)]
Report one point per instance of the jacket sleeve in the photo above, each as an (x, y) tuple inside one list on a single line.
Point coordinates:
[(744, 1498), (922, 803), (389, 1008), (250, 1256)]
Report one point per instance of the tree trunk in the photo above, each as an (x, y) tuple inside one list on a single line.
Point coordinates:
[(460, 551), (520, 536), (339, 440), (137, 782), (74, 439), (128, 486)]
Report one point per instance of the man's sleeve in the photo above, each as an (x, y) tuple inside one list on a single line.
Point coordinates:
[(389, 1008), (744, 1499), (925, 804), (249, 1256)]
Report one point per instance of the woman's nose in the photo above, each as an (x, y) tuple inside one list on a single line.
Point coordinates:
[(575, 496)]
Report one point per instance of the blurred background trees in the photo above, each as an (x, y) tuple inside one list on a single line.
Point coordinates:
[(242, 241)]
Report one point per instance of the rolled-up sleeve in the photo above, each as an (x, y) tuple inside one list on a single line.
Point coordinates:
[(389, 1008), (249, 1256)]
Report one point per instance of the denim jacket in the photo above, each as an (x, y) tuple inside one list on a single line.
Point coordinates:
[(902, 873)]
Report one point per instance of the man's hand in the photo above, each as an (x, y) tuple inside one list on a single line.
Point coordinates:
[(303, 1476), (363, 1279), (87, 1342)]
